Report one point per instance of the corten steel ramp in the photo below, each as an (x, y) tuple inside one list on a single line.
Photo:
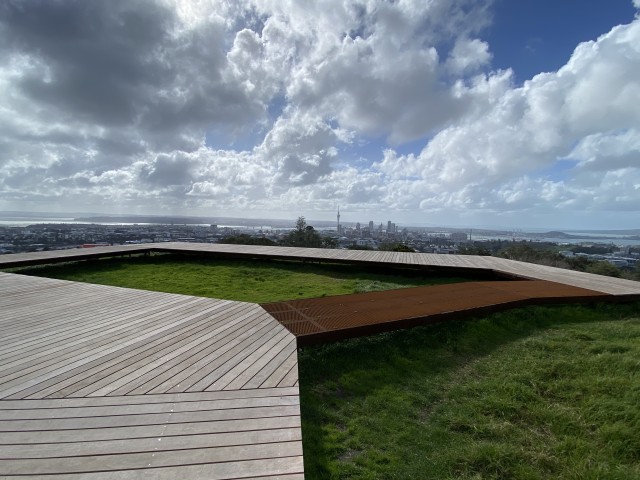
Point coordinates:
[(321, 320)]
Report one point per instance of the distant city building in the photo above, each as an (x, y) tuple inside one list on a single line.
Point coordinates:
[(459, 237), (365, 242)]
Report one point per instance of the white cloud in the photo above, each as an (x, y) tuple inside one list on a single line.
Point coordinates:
[(380, 74), (586, 112), (608, 151), (113, 103), (468, 56)]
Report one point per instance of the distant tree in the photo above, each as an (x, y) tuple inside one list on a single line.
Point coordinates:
[(395, 247), (593, 249), (328, 242), (473, 249), (521, 252), (533, 253), (604, 268), (579, 263), (359, 247), (244, 239), (303, 236)]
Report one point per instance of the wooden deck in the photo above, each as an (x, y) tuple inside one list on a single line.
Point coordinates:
[(69, 255), (107, 382), (609, 285)]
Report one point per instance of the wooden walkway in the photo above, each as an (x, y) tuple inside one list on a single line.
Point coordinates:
[(69, 255), (610, 285), (107, 382)]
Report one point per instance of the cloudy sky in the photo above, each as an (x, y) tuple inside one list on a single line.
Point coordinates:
[(438, 112)]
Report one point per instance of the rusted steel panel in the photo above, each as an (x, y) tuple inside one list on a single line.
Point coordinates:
[(318, 320)]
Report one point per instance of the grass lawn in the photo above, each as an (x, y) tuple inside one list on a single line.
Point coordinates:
[(248, 281), (534, 393)]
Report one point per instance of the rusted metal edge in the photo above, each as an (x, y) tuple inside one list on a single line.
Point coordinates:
[(372, 329)]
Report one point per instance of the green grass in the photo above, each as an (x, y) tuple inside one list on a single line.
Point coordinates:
[(249, 281), (534, 393)]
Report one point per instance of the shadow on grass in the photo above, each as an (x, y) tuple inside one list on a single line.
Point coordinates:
[(374, 390), (401, 276), (68, 270), (368, 275)]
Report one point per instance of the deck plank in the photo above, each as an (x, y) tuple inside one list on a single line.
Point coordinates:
[(98, 369), (264, 469)]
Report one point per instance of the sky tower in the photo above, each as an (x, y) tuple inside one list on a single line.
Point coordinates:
[(339, 221)]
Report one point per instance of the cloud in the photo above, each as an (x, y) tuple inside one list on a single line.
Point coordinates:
[(169, 170), (376, 69), (113, 105), (585, 112), (608, 151), (107, 68), (468, 56)]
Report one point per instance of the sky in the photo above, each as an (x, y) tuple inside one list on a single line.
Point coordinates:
[(521, 114)]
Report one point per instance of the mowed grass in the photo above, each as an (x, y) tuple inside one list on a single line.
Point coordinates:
[(249, 281), (533, 393)]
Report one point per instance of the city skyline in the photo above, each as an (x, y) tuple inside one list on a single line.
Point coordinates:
[(455, 113)]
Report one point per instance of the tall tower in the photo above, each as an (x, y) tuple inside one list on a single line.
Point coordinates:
[(339, 232)]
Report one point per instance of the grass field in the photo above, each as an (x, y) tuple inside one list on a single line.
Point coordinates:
[(248, 281), (535, 393)]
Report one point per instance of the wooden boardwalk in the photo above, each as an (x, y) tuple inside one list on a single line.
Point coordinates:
[(612, 286), (102, 382), (69, 255), (107, 382)]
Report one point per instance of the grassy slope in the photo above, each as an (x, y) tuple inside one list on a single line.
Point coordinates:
[(255, 281), (531, 393)]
